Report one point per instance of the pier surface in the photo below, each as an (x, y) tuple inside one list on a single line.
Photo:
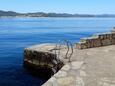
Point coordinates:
[(88, 67), (91, 64)]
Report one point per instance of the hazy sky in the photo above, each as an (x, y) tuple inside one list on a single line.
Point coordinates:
[(60, 6)]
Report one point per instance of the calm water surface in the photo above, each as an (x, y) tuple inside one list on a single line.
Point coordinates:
[(18, 33)]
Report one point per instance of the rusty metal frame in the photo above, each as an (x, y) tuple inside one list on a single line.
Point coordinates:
[(69, 49)]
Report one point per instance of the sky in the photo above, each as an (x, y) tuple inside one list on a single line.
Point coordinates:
[(60, 6)]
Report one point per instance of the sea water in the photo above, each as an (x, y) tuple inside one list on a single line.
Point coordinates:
[(18, 33)]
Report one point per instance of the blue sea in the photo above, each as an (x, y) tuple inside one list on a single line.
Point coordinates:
[(18, 33)]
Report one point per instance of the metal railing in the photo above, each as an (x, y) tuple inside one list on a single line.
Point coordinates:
[(69, 51)]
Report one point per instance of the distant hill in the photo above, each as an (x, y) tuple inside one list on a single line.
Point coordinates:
[(42, 14), (8, 13)]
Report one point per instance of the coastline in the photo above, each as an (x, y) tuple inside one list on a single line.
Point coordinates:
[(54, 17)]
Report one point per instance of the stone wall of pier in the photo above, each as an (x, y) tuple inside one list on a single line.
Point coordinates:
[(98, 40), (44, 63)]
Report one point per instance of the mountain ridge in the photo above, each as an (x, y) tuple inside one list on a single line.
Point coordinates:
[(43, 14)]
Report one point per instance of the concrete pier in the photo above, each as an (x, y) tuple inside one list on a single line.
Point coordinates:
[(88, 66)]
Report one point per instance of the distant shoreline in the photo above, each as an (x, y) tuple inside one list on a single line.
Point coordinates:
[(11, 14), (51, 17)]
